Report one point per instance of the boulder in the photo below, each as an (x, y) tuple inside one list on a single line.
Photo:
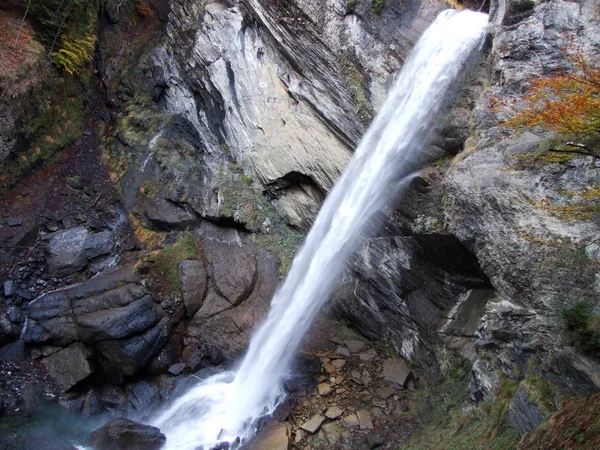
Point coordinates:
[(274, 436), (364, 419), (333, 412), (66, 251), (193, 285), (355, 346), (234, 269), (125, 434), (127, 356), (118, 323), (70, 365), (111, 306), (99, 244), (313, 424), (396, 371), (176, 369)]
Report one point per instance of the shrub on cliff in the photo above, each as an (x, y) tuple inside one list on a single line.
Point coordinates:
[(66, 27), (565, 102), (584, 326)]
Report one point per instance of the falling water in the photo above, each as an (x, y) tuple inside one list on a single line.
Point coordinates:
[(227, 405)]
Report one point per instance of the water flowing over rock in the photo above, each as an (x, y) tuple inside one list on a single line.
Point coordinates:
[(386, 157)]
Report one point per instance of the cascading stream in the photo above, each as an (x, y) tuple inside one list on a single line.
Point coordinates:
[(227, 405)]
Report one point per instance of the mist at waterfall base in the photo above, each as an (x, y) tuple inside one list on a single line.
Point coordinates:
[(228, 405)]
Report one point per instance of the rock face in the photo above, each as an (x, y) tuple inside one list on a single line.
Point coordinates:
[(523, 416), (113, 315), (280, 90), (70, 366), (70, 250), (242, 280), (124, 434), (193, 285), (496, 206)]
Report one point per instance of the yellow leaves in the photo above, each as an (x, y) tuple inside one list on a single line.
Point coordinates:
[(565, 102), (75, 52)]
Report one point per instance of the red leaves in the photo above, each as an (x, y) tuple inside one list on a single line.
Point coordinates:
[(564, 102)]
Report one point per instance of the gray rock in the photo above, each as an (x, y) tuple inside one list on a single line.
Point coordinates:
[(483, 384), (176, 369), (523, 416), (385, 392), (364, 419), (101, 264), (193, 285), (125, 434), (233, 268), (313, 424), (99, 244), (127, 356), (324, 389), (332, 432), (274, 436), (355, 346), (70, 365), (343, 351), (396, 371), (375, 440), (91, 404), (111, 306), (66, 251), (15, 314), (333, 412), (14, 221), (350, 421), (9, 288), (118, 323)]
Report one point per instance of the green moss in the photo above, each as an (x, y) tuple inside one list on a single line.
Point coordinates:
[(540, 392), (355, 79), (167, 260), (583, 326), (242, 202), (453, 429), (377, 6), (284, 243), (351, 6), (54, 122)]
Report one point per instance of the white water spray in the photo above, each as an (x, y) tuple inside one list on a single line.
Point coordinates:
[(227, 405)]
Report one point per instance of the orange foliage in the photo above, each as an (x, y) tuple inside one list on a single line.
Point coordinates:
[(564, 102), (144, 9)]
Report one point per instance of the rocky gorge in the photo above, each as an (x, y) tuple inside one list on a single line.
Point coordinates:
[(143, 250)]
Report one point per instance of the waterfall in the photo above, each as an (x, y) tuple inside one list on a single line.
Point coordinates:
[(227, 405)]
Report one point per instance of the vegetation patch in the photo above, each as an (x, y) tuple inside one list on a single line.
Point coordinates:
[(67, 28), (54, 121), (583, 326), (284, 243), (455, 428), (167, 261), (575, 426), (377, 6), (355, 79), (242, 202)]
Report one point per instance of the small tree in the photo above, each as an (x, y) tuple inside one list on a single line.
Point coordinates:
[(567, 103)]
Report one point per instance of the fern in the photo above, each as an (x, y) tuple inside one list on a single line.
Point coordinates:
[(75, 52)]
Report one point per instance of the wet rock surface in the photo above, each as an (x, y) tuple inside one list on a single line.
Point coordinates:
[(124, 434)]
